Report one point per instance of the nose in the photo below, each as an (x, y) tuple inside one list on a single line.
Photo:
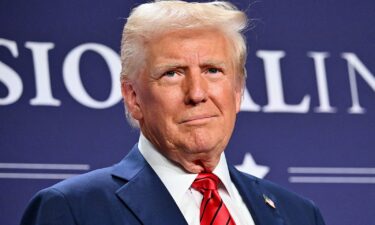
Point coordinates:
[(196, 88)]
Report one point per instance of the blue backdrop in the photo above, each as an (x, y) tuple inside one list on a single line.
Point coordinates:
[(308, 115)]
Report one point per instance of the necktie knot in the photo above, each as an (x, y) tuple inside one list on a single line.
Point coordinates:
[(206, 181), (212, 210)]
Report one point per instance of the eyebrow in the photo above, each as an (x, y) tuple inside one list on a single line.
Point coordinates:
[(216, 63), (166, 66), (172, 65)]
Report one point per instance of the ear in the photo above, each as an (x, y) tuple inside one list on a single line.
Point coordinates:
[(239, 89), (129, 94), (238, 99)]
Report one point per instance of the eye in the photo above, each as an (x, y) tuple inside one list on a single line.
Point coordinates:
[(170, 73), (172, 76), (213, 70)]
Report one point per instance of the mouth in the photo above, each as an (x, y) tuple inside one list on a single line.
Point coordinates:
[(198, 120)]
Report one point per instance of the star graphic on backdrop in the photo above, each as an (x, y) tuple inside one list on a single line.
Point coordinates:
[(249, 166)]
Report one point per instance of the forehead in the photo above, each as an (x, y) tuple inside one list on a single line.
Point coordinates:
[(189, 44)]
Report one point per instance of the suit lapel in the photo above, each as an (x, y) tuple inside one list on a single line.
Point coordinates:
[(254, 197), (146, 196), (144, 193)]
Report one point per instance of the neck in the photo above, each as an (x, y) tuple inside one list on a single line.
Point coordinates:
[(190, 161)]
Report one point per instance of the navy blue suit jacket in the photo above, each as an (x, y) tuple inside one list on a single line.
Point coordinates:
[(131, 193)]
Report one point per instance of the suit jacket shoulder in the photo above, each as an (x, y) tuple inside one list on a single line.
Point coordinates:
[(128, 193), (270, 203), (86, 199)]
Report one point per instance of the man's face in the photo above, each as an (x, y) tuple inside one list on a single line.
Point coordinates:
[(187, 97)]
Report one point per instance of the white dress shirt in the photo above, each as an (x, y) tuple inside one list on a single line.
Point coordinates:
[(178, 182)]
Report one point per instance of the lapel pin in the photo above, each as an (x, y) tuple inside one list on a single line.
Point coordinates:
[(269, 202)]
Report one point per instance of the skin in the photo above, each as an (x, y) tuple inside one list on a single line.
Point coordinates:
[(187, 96)]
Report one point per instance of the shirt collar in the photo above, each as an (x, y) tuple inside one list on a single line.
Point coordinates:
[(176, 180), (222, 172)]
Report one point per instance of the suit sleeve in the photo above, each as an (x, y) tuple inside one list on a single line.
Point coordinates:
[(318, 216), (48, 206)]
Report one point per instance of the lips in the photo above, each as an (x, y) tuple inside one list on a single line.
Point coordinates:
[(198, 119)]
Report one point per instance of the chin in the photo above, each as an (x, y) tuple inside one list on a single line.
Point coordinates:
[(203, 150), (202, 141)]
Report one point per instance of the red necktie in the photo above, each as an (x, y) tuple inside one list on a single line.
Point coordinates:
[(213, 210)]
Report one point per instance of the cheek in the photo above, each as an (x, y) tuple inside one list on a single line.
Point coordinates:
[(162, 102), (225, 96)]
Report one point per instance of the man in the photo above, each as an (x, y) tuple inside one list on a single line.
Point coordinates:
[(183, 73)]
